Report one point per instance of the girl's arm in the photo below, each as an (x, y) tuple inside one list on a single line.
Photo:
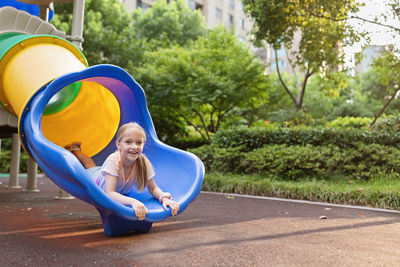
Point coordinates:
[(110, 189), (156, 192)]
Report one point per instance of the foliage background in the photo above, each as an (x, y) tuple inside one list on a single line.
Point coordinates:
[(207, 93)]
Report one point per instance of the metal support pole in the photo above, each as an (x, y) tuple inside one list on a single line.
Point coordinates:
[(14, 168), (31, 180), (77, 23)]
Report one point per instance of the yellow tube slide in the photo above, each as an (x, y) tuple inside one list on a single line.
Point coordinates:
[(28, 62)]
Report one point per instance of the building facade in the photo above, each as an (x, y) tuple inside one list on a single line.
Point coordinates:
[(228, 13)]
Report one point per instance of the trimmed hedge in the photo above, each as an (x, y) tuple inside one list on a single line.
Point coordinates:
[(253, 138), (299, 161), (350, 123)]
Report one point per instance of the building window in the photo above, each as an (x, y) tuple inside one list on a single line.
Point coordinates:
[(218, 13), (232, 4), (142, 5), (198, 6), (192, 5), (231, 20), (242, 24), (240, 5), (281, 52)]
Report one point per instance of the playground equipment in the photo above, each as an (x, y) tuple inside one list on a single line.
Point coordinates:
[(15, 21), (46, 82)]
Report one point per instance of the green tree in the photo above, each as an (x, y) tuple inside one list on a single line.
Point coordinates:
[(371, 93), (352, 102), (318, 105), (384, 77), (169, 23), (202, 83), (322, 27), (108, 36), (386, 69), (112, 35)]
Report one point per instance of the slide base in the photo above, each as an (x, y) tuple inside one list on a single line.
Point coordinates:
[(115, 226)]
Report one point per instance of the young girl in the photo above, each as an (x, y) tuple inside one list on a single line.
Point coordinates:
[(126, 168)]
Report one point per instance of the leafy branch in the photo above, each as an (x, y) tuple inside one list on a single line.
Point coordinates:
[(356, 17)]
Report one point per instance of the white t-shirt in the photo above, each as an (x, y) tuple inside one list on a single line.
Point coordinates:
[(111, 167)]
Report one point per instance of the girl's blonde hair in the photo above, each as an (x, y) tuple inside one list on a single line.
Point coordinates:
[(141, 162)]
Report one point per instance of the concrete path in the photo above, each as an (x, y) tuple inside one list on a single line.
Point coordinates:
[(216, 230)]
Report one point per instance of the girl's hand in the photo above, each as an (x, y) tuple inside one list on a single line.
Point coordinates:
[(166, 202), (140, 209)]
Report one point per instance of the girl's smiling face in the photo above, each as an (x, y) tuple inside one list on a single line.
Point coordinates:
[(131, 145)]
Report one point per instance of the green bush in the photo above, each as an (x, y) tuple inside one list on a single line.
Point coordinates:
[(298, 161), (206, 153), (5, 161), (252, 138), (350, 123)]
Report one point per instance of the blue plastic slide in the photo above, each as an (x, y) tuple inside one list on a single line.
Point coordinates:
[(178, 172)]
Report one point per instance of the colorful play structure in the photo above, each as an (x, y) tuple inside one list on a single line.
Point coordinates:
[(45, 81)]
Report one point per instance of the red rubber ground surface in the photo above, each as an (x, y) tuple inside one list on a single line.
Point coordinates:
[(215, 230)]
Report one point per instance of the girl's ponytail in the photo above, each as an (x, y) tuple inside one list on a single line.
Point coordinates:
[(141, 172)]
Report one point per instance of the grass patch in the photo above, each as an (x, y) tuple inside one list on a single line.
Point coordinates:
[(381, 191)]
